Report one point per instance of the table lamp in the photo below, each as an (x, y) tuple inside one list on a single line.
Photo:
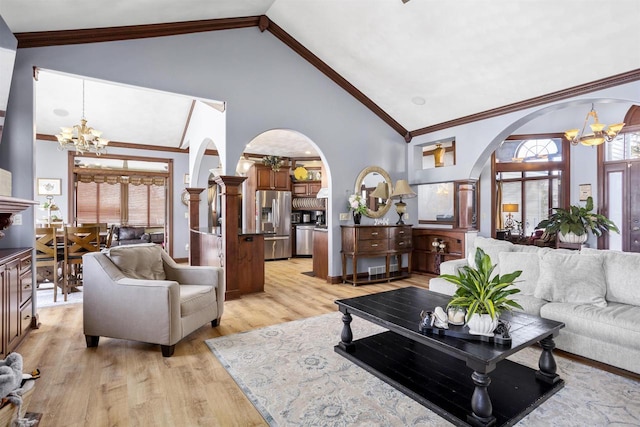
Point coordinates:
[(381, 192), (509, 208), (402, 190)]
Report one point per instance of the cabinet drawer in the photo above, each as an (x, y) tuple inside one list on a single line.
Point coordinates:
[(373, 245), (400, 232), (25, 318), (372, 233), (402, 243), (25, 263), (25, 287)]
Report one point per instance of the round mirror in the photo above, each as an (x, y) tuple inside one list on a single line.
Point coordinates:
[(374, 185)]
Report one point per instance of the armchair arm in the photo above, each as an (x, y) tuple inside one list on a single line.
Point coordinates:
[(452, 266), (120, 307)]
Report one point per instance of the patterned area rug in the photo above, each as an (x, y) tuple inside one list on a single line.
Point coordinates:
[(294, 378)]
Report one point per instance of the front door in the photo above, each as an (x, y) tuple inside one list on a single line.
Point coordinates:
[(622, 197)]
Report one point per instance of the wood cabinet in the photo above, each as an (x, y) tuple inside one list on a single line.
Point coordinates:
[(427, 258), (306, 189), (321, 253), (266, 178), (367, 241), (16, 289)]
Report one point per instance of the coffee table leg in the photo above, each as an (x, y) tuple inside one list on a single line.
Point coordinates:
[(346, 337), (547, 362), (481, 402)]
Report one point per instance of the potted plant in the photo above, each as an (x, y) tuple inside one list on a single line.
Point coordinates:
[(357, 206), (482, 296), (572, 225)]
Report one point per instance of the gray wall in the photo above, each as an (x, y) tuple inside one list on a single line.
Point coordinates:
[(265, 85)]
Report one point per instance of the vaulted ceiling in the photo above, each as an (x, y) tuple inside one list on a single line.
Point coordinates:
[(419, 65)]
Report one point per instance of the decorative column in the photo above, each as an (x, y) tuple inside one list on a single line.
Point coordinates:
[(194, 224), (231, 192)]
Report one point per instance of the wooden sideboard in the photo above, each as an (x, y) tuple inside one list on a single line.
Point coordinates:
[(367, 241), (427, 259)]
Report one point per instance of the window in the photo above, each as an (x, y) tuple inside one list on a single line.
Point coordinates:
[(121, 190), (528, 181)]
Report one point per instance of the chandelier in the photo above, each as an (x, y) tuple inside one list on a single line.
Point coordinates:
[(82, 138), (599, 135)]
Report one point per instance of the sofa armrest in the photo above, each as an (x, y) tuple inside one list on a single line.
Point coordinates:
[(442, 286), (452, 266)]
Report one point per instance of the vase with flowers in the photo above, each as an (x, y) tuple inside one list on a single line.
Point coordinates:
[(357, 207)]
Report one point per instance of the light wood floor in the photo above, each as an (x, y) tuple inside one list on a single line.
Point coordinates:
[(124, 383)]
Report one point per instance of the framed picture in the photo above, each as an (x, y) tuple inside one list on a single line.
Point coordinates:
[(49, 187), (585, 191)]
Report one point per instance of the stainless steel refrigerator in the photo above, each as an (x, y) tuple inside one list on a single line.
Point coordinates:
[(273, 218)]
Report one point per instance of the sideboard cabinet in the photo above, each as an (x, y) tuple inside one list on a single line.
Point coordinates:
[(367, 241), (16, 290), (427, 256)]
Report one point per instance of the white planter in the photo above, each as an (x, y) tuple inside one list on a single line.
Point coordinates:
[(482, 324), (572, 237)]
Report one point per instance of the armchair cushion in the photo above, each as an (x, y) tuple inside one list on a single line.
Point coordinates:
[(194, 298), (141, 262)]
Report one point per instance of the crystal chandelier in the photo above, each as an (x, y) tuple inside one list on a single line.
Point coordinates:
[(82, 138), (599, 135)]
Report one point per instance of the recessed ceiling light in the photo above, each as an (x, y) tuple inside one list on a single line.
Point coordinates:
[(418, 100), (61, 112), (307, 152)]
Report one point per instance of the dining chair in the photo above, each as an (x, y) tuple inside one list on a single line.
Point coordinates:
[(104, 232), (47, 253), (77, 242)]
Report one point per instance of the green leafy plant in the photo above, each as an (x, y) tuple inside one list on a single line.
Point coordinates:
[(578, 220), (275, 162), (478, 292)]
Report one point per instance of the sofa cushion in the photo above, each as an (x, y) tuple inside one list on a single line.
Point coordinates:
[(139, 261), (529, 303), (621, 271), (194, 298), (491, 247), (574, 278), (616, 323), (527, 263)]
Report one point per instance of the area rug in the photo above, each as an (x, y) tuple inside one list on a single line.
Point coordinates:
[(292, 375), (44, 295)]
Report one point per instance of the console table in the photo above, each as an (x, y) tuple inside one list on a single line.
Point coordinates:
[(368, 241)]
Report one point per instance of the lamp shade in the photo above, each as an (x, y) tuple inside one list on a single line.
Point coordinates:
[(402, 190), (381, 191), (510, 207)]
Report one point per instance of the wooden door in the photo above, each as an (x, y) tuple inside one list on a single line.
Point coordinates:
[(622, 205)]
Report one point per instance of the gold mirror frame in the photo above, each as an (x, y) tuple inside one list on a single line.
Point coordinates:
[(360, 179)]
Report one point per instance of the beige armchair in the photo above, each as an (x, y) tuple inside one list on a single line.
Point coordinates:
[(139, 293)]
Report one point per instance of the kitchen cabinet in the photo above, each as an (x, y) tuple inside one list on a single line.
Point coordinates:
[(388, 241), (427, 259), (266, 178), (321, 253), (16, 287), (306, 189)]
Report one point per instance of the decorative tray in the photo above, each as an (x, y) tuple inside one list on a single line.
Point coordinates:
[(461, 331)]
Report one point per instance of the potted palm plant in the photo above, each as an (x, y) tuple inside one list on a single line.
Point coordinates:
[(482, 296), (572, 225)]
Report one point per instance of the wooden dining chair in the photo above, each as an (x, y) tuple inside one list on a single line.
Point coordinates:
[(104, 232), (47, 253), (77, 242)]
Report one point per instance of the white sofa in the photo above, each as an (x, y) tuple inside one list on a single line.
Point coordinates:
[(595, 293)]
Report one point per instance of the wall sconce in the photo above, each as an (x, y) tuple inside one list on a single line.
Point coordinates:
[(438, 155), (401, 190), (244, 165)]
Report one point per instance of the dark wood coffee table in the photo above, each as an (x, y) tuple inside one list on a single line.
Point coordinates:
[(446, 374)]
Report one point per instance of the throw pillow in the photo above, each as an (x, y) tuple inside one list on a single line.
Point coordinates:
[(491, 247), (573, 278), (527, 263), (622, 270), (139, 261)]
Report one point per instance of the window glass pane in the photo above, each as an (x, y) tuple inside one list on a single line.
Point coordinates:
[(625, 146), (109, 210), (510, 175), (536, 204), (138, 204), (157, 208), (530, 150), (511, 194), (534, 174), (615, 208), (87, 202)]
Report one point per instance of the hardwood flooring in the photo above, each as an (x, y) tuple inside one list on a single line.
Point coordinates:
[(126, 383)]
